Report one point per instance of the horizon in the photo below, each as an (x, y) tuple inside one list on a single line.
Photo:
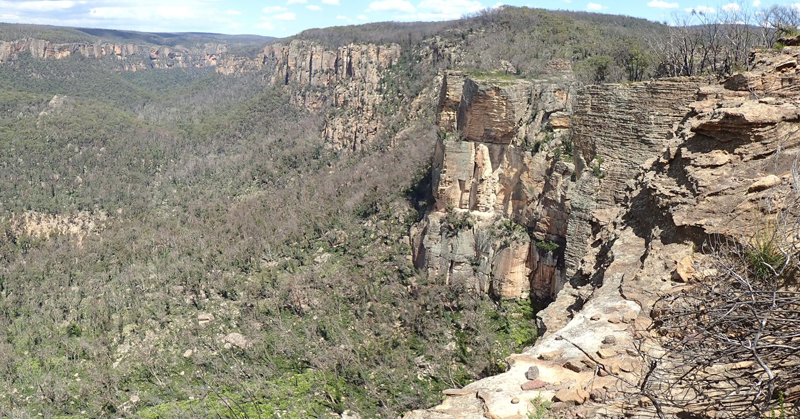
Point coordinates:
[(285, 18)]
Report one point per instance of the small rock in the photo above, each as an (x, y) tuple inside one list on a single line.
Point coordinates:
[(188, 353), (598, 395), (570, 365), (606, 353), (515, 400), (204, 318), (614, 320), (596, 317), (236, 339), (533, 385), (765, 182), (684, 270), (547, 356), (458, 392), (569, 395), (532, 373), (627, 366), (609, 340)]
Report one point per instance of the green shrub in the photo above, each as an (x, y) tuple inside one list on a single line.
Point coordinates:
[(456, 221), (542, 409), (547, 245), (763, 254)]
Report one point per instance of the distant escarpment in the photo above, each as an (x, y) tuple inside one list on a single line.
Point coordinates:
[(654, 170), (353, 81), (130, 57)]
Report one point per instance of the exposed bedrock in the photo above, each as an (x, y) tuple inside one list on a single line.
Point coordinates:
[(500, 186), (131, 57), (348, 79), (680, 162)]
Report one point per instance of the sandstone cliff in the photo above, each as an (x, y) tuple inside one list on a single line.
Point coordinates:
[(500, 185), (350, 80), (130, 57), (660, 167)]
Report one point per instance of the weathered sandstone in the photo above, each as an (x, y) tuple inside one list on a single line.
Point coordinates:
[(680, 161), (130, 57)]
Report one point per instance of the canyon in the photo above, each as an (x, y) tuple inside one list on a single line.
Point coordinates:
[(594, 197), (594, 203)]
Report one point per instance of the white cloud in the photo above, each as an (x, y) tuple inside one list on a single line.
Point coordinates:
[(265, 25), (361, 17), (140, 15), (273, 9), (594, 6), (701, 9), (39, 6), (8, 16), (391, 6), (175, 12), (313, 8), (731, 7), (233, 12), (296, 1), (757, 3), (446, 9), (285, 16), (340, 17), (331, 2), (660, 4)]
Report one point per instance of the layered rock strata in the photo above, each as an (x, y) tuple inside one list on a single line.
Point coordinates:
[(349, 79), (131, 57), (681, 162), (499, 186)]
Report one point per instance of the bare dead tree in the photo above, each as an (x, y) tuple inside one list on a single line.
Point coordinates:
[(733, 338)]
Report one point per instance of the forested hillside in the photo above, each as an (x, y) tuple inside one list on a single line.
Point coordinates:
[(184, 243)]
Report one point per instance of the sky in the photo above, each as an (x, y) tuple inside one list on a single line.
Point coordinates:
[(282, 18)]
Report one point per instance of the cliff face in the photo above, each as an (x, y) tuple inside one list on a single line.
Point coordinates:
[(679, 161), (350, 79), (131, 57), (500, 186)]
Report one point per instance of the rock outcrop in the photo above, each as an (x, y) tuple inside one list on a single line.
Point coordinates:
[(130, 57), (679, 161), (500, 184), (349, 79)]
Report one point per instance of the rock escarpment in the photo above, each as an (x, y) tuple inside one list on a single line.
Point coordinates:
[(350, 79), (500, 184), (131, 57), (680, 161)]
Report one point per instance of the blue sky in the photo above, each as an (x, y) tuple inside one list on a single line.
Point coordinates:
[(287, 17)]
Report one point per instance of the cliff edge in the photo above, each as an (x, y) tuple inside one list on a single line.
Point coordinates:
[(657, 169)]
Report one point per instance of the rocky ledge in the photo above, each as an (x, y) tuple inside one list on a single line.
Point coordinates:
[(659, 167)]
